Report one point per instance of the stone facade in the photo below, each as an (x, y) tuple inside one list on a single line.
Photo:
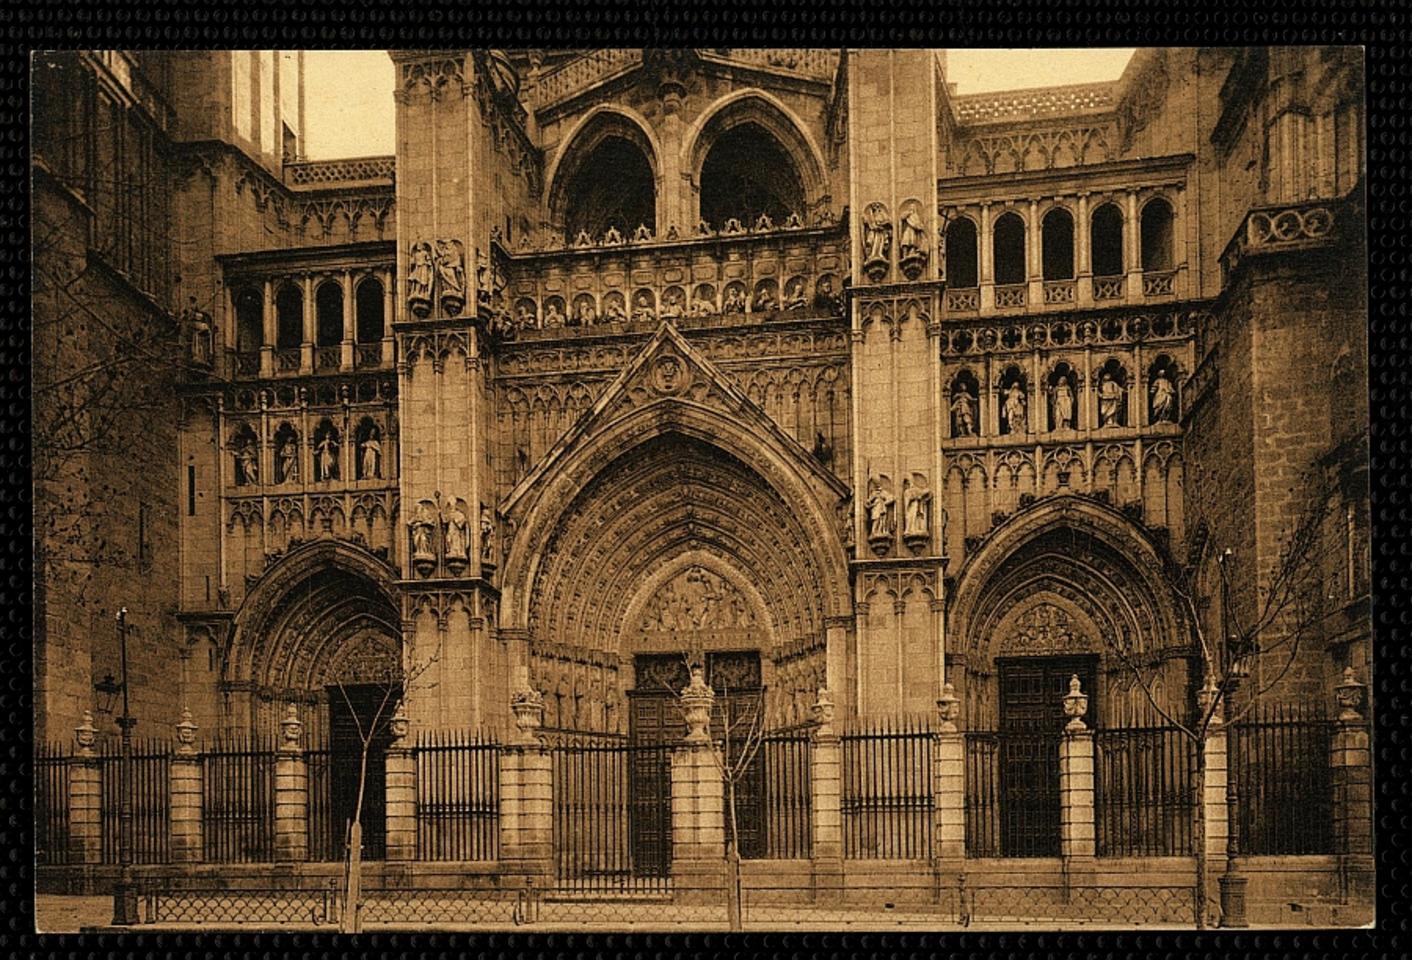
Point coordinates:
[(634, 352)]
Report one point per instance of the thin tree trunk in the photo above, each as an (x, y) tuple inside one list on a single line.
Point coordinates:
[(1198, 833), (733, 864), (352, 906)]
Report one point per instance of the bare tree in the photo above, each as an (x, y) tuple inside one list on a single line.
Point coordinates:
[(395, 685), (1264, 623), (740, 720)]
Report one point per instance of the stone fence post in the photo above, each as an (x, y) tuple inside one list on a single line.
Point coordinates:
[(825, 802), (949, 781), (1350, 760), (85, 798), (185, 801), (698, 803), (291, 791), (1215, 808), (1076, 834), (527, 791), (401, 779)]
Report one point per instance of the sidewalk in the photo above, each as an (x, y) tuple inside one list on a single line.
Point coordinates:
[(72, 914)]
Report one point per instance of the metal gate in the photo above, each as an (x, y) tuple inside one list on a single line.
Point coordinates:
[(612, 816)]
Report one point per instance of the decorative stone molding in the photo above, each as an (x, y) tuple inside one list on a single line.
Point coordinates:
[(1282, 229)]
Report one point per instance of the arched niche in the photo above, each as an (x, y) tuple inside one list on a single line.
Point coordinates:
[(607, 175), (748, 154)]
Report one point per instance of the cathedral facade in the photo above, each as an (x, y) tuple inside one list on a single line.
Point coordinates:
[(795, 364)]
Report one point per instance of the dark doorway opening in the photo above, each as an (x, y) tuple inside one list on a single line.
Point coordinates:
[(352, 708), (1031, 728)]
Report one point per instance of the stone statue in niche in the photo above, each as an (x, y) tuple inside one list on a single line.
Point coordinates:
[(457, 531), (1063, 399), (587, 314), (372, 455), (823, 450), (642, 311), (764, 299), (1110, 402), (916, 509), (671, 305), (912, 240), (326, 459), (247, 463), (198, 322), (824, 296), (1014, 408), (553, 315), (794, 295), (451, 272), (963, 413), (288, 461), (880, 510), (487, 535), (877, 241), (613, 311), (420, 273), (735, 300), (422, 525), (1164, 398)]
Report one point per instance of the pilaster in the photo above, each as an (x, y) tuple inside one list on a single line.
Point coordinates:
[(85, 798), (825, 802), (291, 792), (401, 804), (185, 798)]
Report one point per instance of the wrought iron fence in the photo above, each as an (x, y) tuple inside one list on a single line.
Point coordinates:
[(612, 817), (785, 806), (52, 763), (1143, 791), (458, 796), (887, 801), (328, 833), (1012, 793), (1279, 771), (238, 800), (150, 796)]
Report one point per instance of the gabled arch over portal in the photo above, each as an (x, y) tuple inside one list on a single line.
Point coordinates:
[(670, 389)]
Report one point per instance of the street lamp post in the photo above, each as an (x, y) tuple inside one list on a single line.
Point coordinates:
[(125, 891), (1232, 884)]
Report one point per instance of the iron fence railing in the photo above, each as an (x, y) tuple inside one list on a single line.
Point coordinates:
[(785, 796), (328, 833), (458, 796), (887, 800), (612, 826), (238, 800), (1012, 793), (1143, 791), (52, 763), (1279, 772), (151, 793)]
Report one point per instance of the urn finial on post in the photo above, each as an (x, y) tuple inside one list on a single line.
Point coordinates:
[(186, 733), (1075, 705), (1348, 693), (85, 734), (527, 704), (824, 712), (697, 699), (291, 727), (948, 708)]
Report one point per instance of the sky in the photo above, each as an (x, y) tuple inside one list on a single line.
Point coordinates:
[(349, 108)]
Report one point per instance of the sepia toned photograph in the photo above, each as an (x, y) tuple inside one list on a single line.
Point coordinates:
[(720, 489)]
